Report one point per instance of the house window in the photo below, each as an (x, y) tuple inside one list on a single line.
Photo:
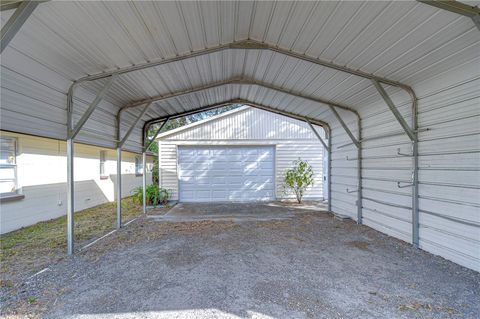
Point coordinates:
[(138, 166), (102, 165), (8, 165)]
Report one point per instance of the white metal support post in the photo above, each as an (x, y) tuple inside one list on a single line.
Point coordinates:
[(70, 196), (358, 144), (147, 143), (329, 135), (119, 187), (327, 148), (412, 133), (144, 181), (72, 131), (119, 161)]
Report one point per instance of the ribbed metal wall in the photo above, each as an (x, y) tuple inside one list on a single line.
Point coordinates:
[(344, 165), (450, 172)]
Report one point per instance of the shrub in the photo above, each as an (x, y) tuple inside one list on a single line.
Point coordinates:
[(298, 178), (155, 195)]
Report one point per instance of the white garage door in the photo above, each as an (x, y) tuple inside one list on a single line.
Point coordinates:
[(225, 173)]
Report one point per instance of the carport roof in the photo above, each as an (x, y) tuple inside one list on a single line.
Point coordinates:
[(207, 53)]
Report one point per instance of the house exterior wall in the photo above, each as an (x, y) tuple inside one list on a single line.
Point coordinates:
[(292, 139), (42, 175)]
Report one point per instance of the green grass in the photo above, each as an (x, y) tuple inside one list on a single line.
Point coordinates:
[(35, 245)]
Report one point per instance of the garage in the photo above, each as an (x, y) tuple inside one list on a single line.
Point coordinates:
[(240, 155), (226, 173)]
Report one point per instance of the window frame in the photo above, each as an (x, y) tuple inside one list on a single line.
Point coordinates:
[(101, 167), (8, 196), (139, 166)]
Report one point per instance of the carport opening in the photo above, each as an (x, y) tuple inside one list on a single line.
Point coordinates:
[(203, 166)]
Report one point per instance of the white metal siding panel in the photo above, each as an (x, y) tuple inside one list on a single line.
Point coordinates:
[(226, 173), (312, 152), (168, 169), (344, 170), (450, 173), (42, 179), (248, 124), (386, 207)]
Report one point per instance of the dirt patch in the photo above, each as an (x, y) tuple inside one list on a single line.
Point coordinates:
[(275, 224), (362, 245)]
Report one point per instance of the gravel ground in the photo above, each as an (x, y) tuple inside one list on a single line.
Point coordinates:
[(309, 265)]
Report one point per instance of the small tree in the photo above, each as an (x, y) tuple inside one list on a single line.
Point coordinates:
[(299, 178)]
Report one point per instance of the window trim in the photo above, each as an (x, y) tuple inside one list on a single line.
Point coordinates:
[(138, 166), (101, 167), (15, 193)]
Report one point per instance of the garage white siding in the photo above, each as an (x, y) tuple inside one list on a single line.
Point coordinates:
[(226, 173), (289, 139)]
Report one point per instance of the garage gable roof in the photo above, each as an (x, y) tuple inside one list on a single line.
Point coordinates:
[(244, 123), (201, 122)]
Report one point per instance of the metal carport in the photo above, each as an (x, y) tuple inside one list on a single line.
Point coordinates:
[(395, 84)]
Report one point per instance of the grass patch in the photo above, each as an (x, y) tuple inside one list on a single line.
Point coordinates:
[(33, 246)]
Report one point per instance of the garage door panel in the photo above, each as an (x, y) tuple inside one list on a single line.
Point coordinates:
[(235, 151), (223, 173)]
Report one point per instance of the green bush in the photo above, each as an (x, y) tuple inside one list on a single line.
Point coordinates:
[(298, 178), (155, 195)]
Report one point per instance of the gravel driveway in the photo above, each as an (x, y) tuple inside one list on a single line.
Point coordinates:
[(306, 265)]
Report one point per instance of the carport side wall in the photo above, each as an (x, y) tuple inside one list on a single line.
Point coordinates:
[(449, 174), (286, 152), (41, 178)]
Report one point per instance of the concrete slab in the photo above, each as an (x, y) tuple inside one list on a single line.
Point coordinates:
[(239, 211)]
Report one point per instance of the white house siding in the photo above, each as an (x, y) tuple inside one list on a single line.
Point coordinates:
[(41, 171), (292, 139)]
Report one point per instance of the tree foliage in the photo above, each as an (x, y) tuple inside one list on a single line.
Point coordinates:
[(179, 122), (299, 178)]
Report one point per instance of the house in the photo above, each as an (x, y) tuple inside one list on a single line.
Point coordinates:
[(33, 179), (240, 155)]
